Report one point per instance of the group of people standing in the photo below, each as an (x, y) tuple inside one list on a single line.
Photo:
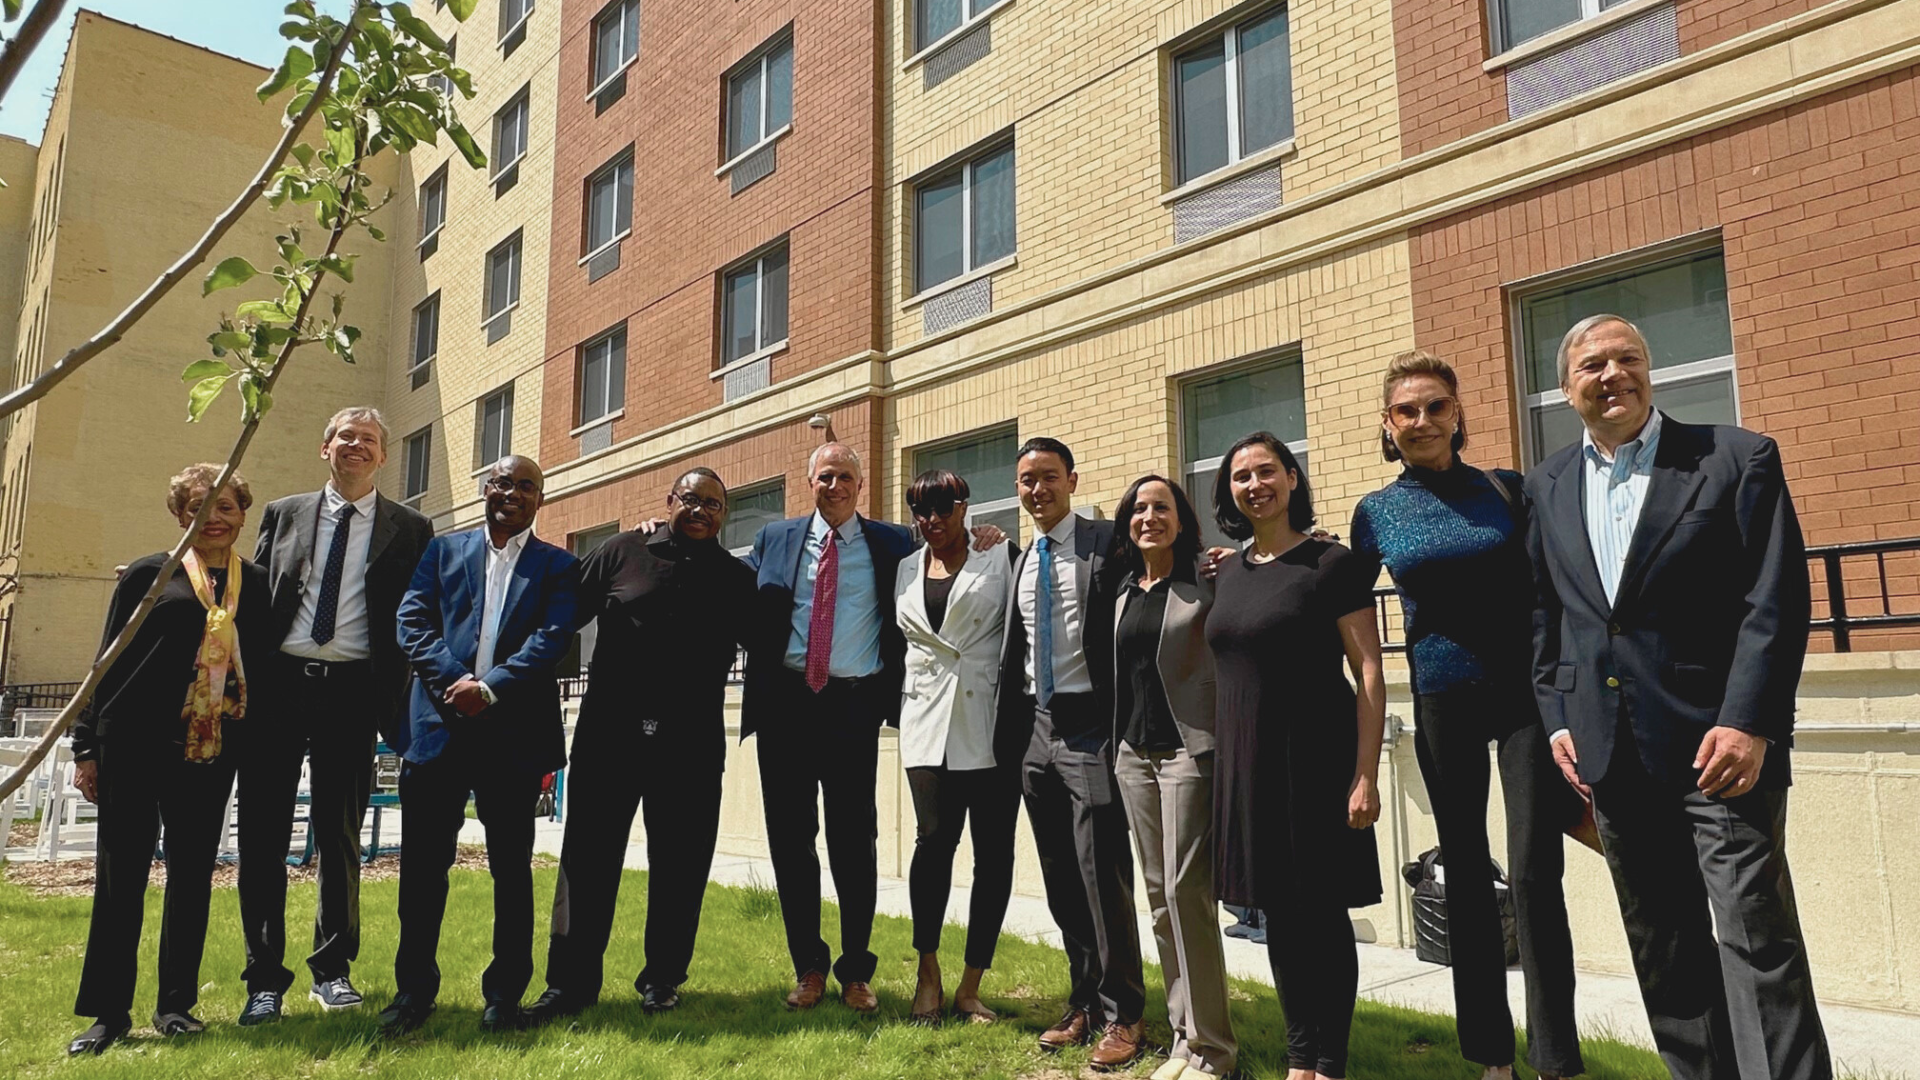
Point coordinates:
[(1625, 626)]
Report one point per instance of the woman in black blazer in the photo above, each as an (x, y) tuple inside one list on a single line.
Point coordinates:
[(156, 752), (1163, 690)]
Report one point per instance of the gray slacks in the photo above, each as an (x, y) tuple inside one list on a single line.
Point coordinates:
[(1743, 1007), (1169, 800)]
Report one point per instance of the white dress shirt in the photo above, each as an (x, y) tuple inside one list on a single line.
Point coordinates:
[(500, 563), (1615, 490), (351, 640), (1070, 674)]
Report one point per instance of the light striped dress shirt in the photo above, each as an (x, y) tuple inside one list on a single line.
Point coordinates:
[(1615, 491)]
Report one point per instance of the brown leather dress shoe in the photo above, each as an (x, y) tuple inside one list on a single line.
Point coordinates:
[(808, 991), (860, 998), (1119, 1046), (1073, 1030)]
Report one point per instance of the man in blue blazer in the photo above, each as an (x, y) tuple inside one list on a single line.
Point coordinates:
[(1669, 633), (822, 677), (487, 619)]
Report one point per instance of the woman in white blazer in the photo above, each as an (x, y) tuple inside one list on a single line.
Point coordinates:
[(951, 603)]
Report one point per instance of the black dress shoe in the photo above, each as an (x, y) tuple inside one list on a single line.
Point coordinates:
[(404, 1014), (101, 1035), (659, 999), (177, 1023), (554, 1005), (501, 1016)]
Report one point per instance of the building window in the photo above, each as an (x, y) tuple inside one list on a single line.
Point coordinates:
[(985, 460), (1217, 410), (603, 376), (426, 341), (750, 508), (760, 98), (510, 137), (616, 41), (433, 206), (754, 306), (1233, 95), (936, 20), (418, 454), (513, 17), (1679, 303), (440, 83), (495, 415), (963, 218), (1517, 21), (610, 203), (503, 278)]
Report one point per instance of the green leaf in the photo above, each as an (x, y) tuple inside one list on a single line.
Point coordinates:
[(231, 271), (12, 8), (340, 141), (297, 65), (249, 399), (405, 19), (377, 235), (461, 8), (303, 154), (412, 121), (267, 311), (200, 370), (469, 149), (290, 251), (234, 340), (202, 395), (339, 264)]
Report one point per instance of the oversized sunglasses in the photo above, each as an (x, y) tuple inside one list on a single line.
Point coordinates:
[(936, 504), (1440, 410)]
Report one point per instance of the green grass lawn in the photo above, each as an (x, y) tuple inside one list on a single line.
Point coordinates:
[(731, 1025)]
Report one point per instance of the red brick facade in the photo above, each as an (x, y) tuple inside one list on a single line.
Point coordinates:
[(1818, 208), (688, 226), (1440, 45)]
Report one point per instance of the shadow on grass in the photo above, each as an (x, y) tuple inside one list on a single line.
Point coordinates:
[(732, 1021)]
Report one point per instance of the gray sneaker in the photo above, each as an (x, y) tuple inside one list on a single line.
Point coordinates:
[(262, 1008), (335, 994)]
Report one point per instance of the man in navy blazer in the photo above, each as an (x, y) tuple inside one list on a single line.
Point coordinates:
[(488, 617), (820, 682), (1669, 634)]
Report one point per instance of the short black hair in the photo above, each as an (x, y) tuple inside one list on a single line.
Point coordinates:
[(1040, 444), (1228, 516), (935, 481), (1186, 546), (700, 470)]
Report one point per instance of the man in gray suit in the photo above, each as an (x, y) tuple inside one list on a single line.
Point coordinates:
[(1669, 631), (1054, 715), (340, 559)]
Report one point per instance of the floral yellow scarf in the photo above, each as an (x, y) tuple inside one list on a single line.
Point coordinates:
[(219, 689)]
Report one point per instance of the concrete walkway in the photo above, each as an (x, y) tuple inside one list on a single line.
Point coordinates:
[(1865, 1042)]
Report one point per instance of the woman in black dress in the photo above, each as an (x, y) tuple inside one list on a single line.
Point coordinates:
[(1296, 780), (156, 753)]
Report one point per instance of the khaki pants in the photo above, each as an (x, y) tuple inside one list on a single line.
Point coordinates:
[(1169, 800)]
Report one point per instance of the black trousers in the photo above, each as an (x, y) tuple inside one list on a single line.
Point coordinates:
[(824, 750), (327, 714), (1086, 863), (148, 795), (1741, 1007), (609, 780), (1316, 969), (433, 800), (1450, 742), (944, 801)]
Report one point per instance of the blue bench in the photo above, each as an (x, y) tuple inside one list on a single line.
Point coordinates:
[(378, 802)]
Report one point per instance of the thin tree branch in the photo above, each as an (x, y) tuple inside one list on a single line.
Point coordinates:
[(120, 641), (13, 55), (113, 331)]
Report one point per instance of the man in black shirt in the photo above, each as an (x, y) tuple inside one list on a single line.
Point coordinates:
[(651, 728)]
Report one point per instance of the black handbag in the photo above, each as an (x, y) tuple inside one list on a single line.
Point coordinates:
[(1430, 940)]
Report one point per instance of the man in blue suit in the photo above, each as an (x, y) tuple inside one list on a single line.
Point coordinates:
[(824, 671), (486, 620)]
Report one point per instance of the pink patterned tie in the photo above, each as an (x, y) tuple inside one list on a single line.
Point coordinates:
[(826, 587)]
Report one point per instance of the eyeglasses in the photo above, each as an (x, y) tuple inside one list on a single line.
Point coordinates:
[(1440, 410), (506, 484), (936, 504), (694, 502)]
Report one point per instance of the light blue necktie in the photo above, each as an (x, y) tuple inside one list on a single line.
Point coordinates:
[(1043, 625)]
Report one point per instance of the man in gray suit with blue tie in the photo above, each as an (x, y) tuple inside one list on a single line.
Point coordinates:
[(1669, 631), (339, 559)]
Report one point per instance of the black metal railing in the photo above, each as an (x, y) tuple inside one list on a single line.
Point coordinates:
[(44, 695), (1843, 618)]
